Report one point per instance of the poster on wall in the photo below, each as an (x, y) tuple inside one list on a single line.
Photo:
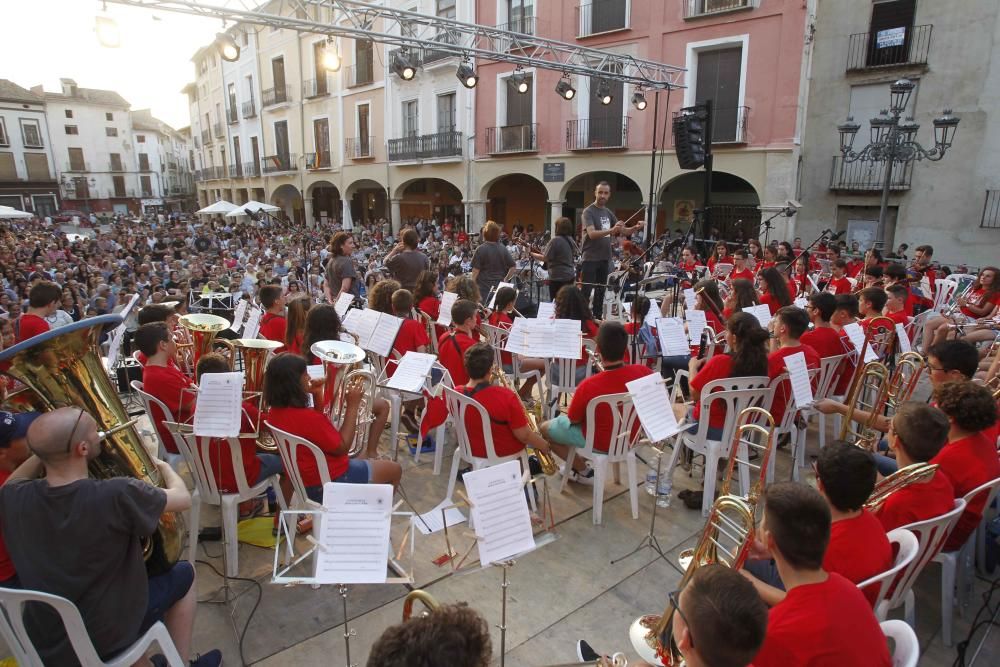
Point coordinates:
[(861, 234), (683, 210)]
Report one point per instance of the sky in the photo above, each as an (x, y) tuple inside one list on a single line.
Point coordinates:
[(46, 40)]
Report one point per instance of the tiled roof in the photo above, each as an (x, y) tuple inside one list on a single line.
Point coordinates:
[(12, 92), (107, 98)]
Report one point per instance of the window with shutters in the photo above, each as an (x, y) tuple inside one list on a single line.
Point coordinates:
[(364, 59), (719, 73), (76, 162), (69, 113), (72, 129), (597, 16), (4, 139), (116, 162), (8, 168), (446, 112), (31, 133), (143, 162), (145, 182), (605, 127), (111, 131), (119, 183), (411, 118), (38, 166), (109, 116), (890, 32)]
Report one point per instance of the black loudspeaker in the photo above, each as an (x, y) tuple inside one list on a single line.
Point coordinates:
[(130, 370), (689, 140), (525, 305)]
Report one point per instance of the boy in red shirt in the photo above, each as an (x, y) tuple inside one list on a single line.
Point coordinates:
[(273, 323), (895, 304), (871, 301), (412, 335), (970, 457), (845, 313), (43, 300), (567, 430), (917, 432), (740, 269), (163, 381), (823, 618), (452, 345), (157, 312), (788, 326), (822, 337)]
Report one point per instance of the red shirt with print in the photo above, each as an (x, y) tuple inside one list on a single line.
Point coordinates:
[(717, 368), (166, 384), (823, 625), (506, 414), (839, 286), (858, 550), (611, 381), (316, 428), (969, 463), (745, 274), (222, 460), (776, 366), (272, 327), (29, 326), (451, 354), (917, 502)]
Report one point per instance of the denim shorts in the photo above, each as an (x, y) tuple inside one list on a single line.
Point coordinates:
[(358, 472), (270, 465), (166, 590)]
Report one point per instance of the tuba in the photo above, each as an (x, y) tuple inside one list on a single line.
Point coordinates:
[(344, 366), (203, 328), (255, 353), (63, 368), (545, 460), (424, 598), (917, 473)]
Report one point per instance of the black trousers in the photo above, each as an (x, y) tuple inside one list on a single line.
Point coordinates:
[(556, 285), (595, 271)]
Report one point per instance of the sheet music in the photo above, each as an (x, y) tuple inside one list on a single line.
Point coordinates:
[(494, 297), (252, 326), (354, 534), (565, 339), (673, 340), (351, 320), (448, 300), (517, 337), (761, 312), (798, 375), (344, 302), (365, 326), (696, 322), (654, 312), (432, 522), (127, 310), (652, 405), (218, 406), (801, 302), (411, 372), (546, 310), (115, 345), (689, 298), (903, 338), (857, 337), (384, 334), (500, 510), (238, 315)]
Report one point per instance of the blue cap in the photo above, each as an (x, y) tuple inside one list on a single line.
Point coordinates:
[(14, 425)]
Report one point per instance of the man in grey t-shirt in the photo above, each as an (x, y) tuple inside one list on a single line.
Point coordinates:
[(406, 262), (599, 224)]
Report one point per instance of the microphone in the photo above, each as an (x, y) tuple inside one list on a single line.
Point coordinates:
[(835, 237)]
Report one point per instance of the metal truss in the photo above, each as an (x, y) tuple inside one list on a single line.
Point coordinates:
[(415, 32)]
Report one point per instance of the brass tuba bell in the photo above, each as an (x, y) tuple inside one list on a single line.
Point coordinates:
[(203, 328), (255, 353)]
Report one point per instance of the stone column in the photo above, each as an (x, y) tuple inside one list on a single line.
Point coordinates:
[(476, 211), (557, 206), (307, 207), (397, 217)]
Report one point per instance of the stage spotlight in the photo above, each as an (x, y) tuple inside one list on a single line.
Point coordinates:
[(228, 49), (107, 32), (565, 88), (403, 68), (467, 75), (639, 100), (604, 92), (331, 59), (520, 80)]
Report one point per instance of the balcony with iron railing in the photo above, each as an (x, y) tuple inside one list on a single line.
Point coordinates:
[(426, 146), (206, 137), (523, 25), (236, 170), (312, 88), (729, 125), (868, 175), (77, 166), (425, 56), (894, 47), (249, 109), (359, 148), (601, 16), (597, 134), (277, 95), (316, 161), (360, 74), (122, 193), (251, 168), (219, 130), (512, 139), (273, 164), (991, 210), (694, 9), (213, 173), (147, 193), (232, 117)]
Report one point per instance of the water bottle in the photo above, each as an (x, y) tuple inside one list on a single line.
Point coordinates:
[(664, 491), (654, 464)]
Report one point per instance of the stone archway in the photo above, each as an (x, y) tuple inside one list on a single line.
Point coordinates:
[(367, 200), (735, 206), (289, 199), (325, 205), (429, 198), (517, 199), (578, 193)]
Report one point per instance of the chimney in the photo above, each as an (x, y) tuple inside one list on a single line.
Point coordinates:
[(68, 87), (38, 90)]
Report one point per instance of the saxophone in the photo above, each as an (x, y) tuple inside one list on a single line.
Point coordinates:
[(545, 460)]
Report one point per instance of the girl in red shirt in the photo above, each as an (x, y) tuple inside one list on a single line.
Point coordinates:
[(286, 390), (741, 295), (980, 300), (775, 290), (295, 323), (426, 296), (770, 259), (719, 256)]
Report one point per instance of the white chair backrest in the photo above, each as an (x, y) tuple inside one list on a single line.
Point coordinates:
[(907, 548), (944, 290), (198, 453), (984, 492), (623, 416), (930, 534), (775, 386), (497, 338), (829, 373), (459, 406), (906, 648), (736, 394), (289, 446), (148, 400)]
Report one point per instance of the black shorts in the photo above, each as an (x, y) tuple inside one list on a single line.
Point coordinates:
[(166, 590)]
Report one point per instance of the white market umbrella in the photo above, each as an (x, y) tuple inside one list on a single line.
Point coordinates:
[(347, 224), (220, 207), (10, 212), (252, 207)]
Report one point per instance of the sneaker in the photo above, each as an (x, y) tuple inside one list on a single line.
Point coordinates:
[(211, 659), (585, 652), (426, 447), (586, 477)]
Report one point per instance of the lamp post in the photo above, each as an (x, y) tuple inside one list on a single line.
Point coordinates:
[(893, 141)]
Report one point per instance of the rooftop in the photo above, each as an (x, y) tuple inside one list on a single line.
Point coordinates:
[(11, 92), (95, 96)]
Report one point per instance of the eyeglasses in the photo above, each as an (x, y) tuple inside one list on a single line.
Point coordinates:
[(674, 597), (928, 366), (69, 438)]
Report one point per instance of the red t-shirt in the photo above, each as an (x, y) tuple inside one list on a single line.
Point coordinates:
[(29, 326), (506, 414), (141, 358), (451, 354), (825, 340), (855, 268), (222, 460), (430, 306), (976, 298), (272, 327), (917, 502), (829, 624), (858, 550), (716, 368), (608, 382), (411, 336), (771, 302), (745, 274), (839, 286), (317, 429), (969, 463), (776, 366), (6, 564), (847, 366), (165, 383), (899, 317)]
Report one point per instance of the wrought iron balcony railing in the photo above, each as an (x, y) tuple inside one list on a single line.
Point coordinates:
[(729, 125), (425, 146), (895, 47), (597, 16), (318, 160), (276, 95), (359, 148), (698, 8), (512, 139), (868, 175), (249, 109), (272, 164), (360, 74), (597, 133)]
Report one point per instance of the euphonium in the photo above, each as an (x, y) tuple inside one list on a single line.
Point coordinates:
[(255, 353), (545, 460), (916, 473), (63, 368), (424, 598), (343, 365), (730, 521), (870, 392), (203, 328)]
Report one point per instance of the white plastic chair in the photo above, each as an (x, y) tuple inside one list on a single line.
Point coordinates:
[(737, 394), (906, 648), (907, 548), (288, 448), (16, 635), (957, 566), (829, 374), (620, 449), (560, 380), (197, 454), (944, 289), (458, 405), (148, 400), (930, 534)]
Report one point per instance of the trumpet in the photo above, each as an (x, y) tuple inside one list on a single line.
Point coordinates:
[(545, 460), (917, 473)]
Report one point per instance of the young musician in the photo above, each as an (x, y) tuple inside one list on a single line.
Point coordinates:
[(822, 337), (273, 323), (163, 380), (44, 299), (412, 336), (895, 274), (286, 390), (788, 326), (719, 256), (823, 619), (101, 524), (871, 301), (741, 295), (839, 283), (979, 301), (567, 430), (452, 345), (917, 432), (740, 270), (156, 312), (454, 635), (775, 293), (295, 326), (13, 452), (895, 304)]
